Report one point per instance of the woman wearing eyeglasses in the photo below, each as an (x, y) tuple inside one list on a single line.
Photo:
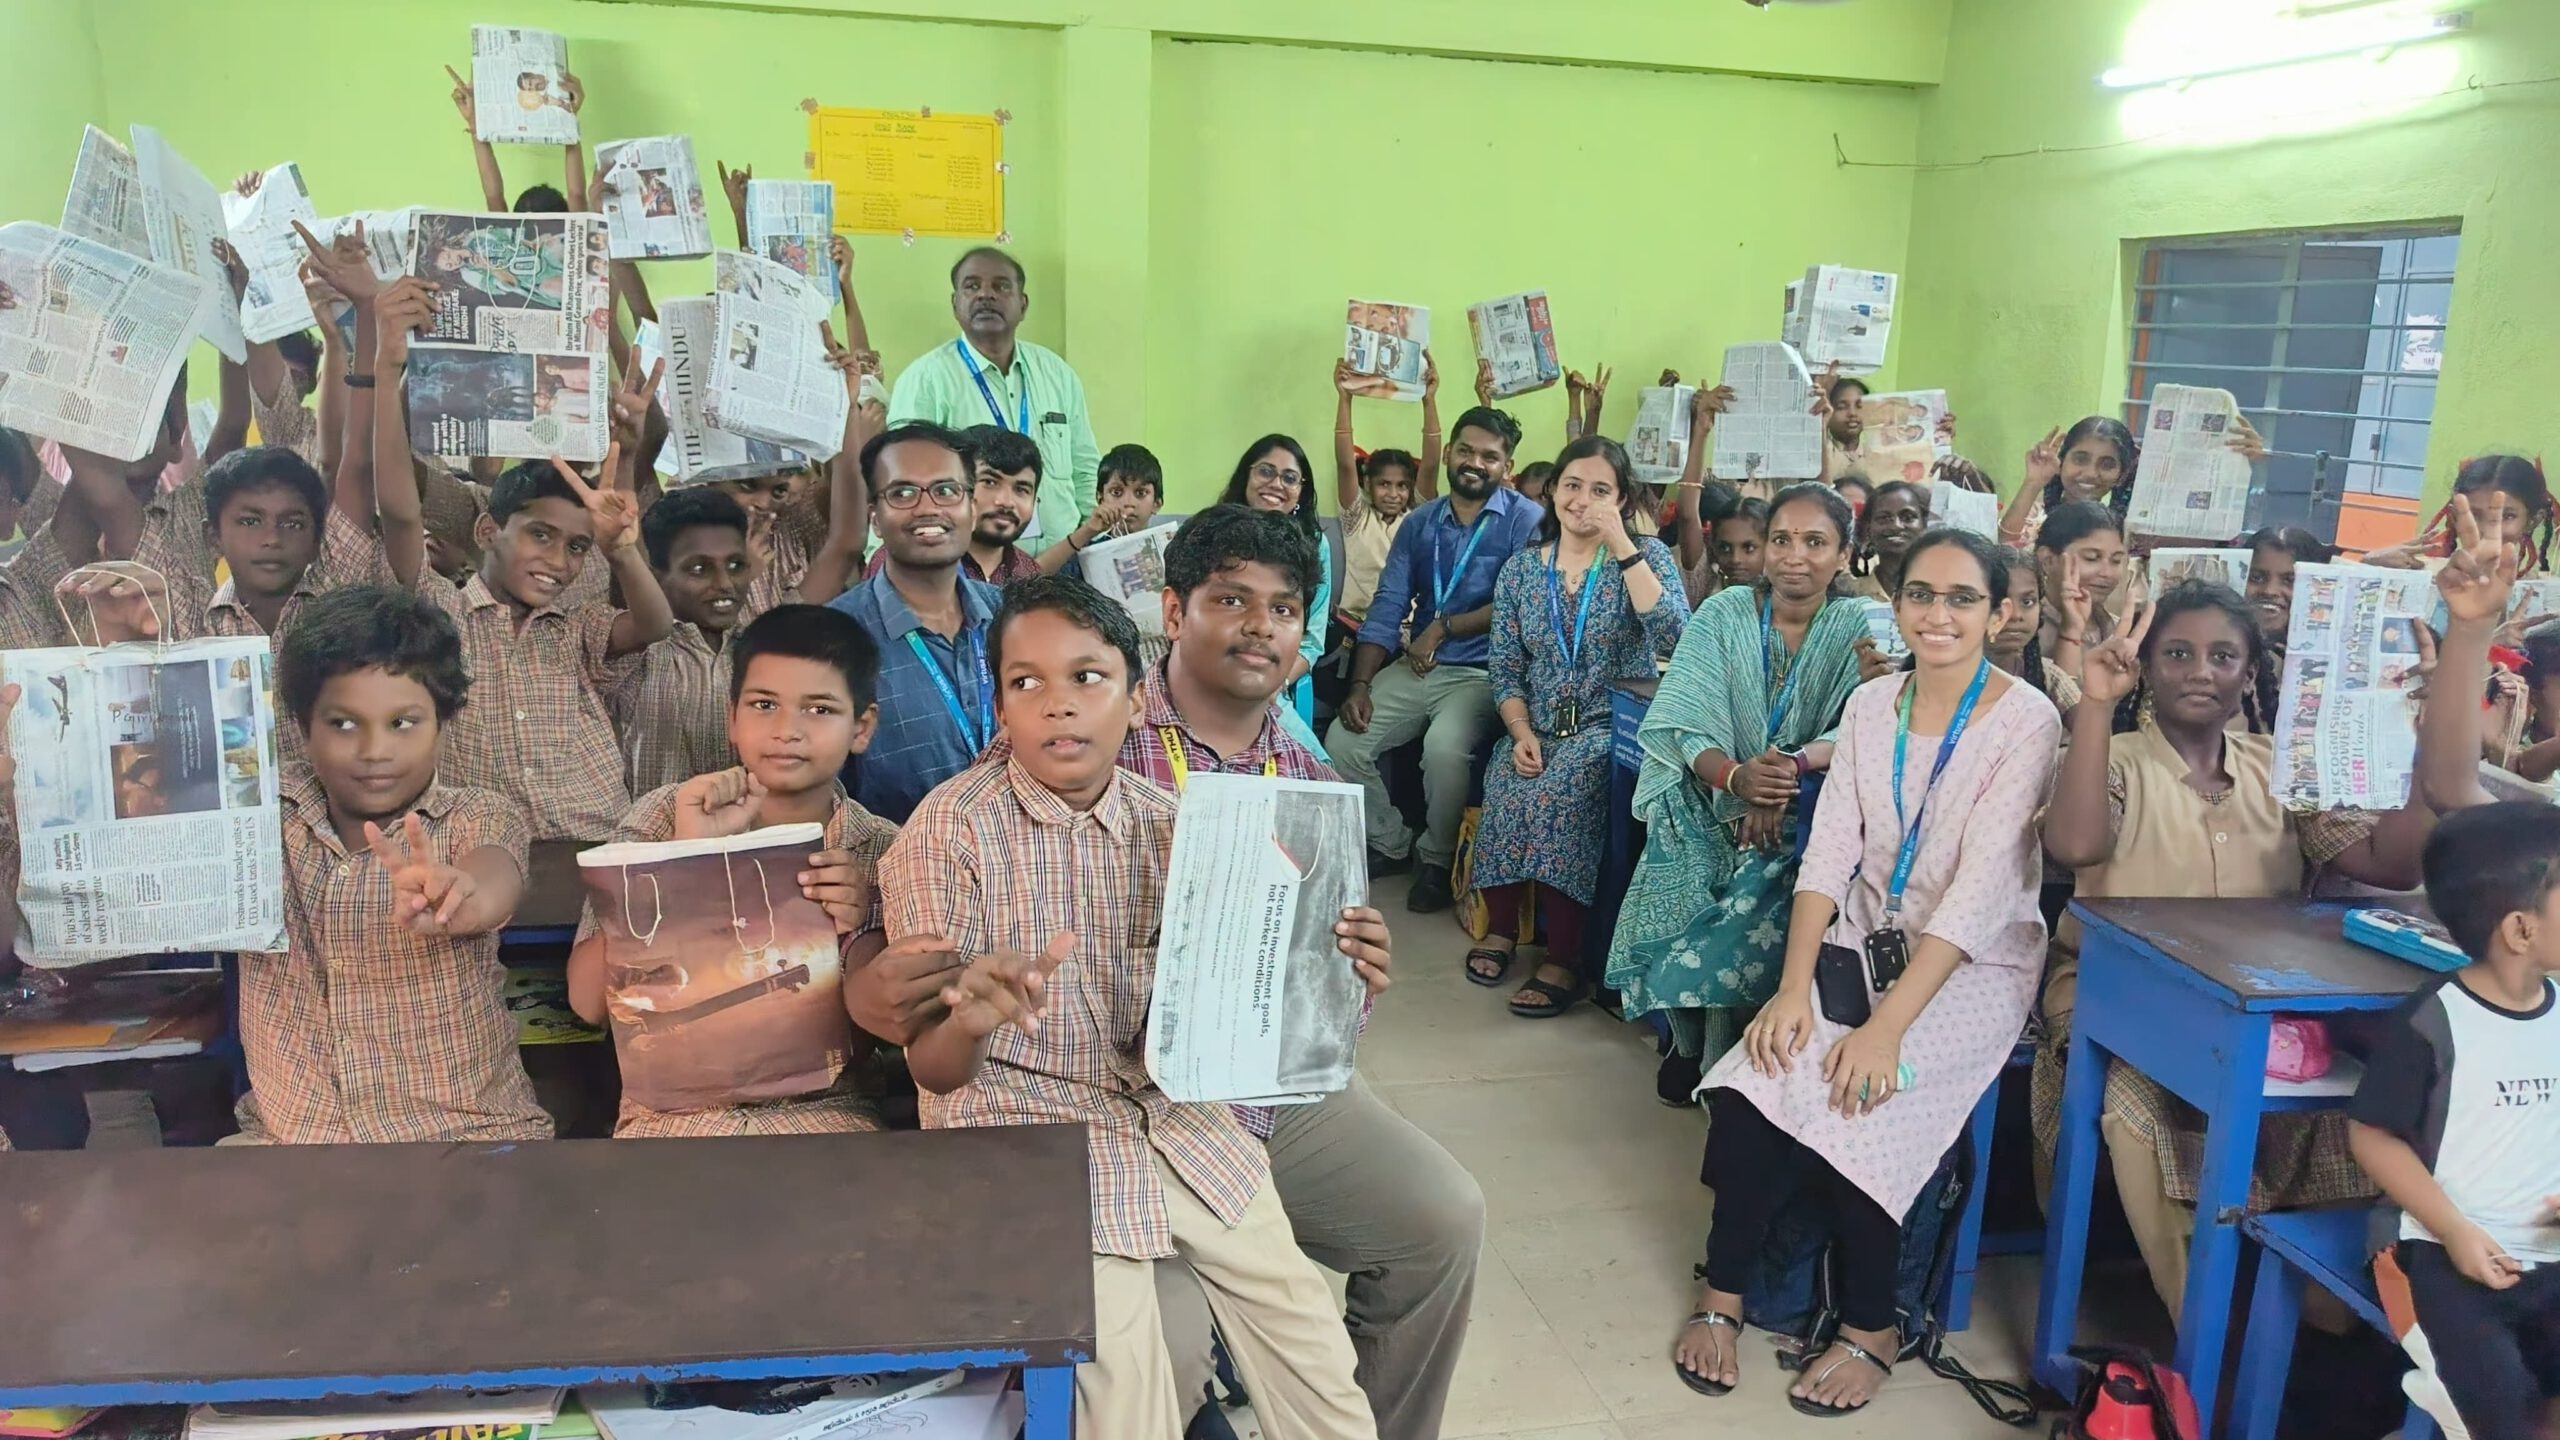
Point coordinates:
[(1913, 948), (1272, 475)]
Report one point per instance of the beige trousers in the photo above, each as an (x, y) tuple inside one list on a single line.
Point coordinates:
[(1271, 1304)]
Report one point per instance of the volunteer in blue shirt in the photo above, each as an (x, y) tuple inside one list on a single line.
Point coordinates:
[(1437, 587)]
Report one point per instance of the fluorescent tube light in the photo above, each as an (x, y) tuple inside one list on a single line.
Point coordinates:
[(2380, 32)]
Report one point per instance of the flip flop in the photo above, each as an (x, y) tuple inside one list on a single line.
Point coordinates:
[(1691, 1378), (1501, 970), (1559, 998), (1804, 1406)]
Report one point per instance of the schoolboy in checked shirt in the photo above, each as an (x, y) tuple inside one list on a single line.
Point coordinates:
[(1045, 869)]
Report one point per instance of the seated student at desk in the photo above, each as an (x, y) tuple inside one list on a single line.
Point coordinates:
[(1046, 868), (2176, 803), (799, 707)]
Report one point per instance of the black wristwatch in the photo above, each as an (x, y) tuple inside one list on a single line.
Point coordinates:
[(356, 381), (1632, 561)]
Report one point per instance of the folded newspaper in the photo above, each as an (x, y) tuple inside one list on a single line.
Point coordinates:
[(2171, 565), (146, 800), (105, 203), (96, 343), (520, 86), (1659, 443), (1898, 438), (1255, 1003), (698, 451), (722, 980), (1130, 569), (1516, 336), (1769, 431), (793, 223), (2192, 484), (1384, 342), (515, 282), (2346, 719), (274, 305), (1953, 505), (182, 213), (466, 402), (1841, 315), (769, 378), (652, 199)]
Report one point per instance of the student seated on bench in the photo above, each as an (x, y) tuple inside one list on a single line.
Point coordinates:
[(1047, 871)]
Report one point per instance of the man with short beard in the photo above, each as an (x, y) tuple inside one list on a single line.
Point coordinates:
[(1437, 587), (1007, 491)]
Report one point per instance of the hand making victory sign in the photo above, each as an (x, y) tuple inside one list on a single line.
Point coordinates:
[(608, 500), (430, 897), (2480, 575), (2113, 669)]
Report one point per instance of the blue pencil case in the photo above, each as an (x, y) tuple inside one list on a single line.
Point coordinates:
[(2405, 937)]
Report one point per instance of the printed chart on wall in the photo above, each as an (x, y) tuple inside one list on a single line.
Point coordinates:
[(898, 172)]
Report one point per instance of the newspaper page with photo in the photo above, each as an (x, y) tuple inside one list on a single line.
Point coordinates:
[(1516, 335), (1843, 315), (95, 345), (1659, 443), (652, 199), (515, 282), (1130, 569), (2346, 719), (769, 378), (182, 213), (1254, 1001), (1954, 506), (1384, 342), (1769, 432), (1883, 628), (2191, 484), (2171, 565), (698, 451), (261, 225), (467, 403), (146, 799), (793, 224), (520, 86), (723, 983), (105, 203), (1898, 438)]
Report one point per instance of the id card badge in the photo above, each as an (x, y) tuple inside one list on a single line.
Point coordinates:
[(1568, 718), (1888, 955)]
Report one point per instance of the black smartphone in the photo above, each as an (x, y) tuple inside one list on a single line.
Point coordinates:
[(1840, 986)]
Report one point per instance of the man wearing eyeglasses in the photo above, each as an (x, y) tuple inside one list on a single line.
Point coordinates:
[(936, 695)]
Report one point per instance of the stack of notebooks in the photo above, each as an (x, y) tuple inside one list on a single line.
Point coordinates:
[(138, 1015)]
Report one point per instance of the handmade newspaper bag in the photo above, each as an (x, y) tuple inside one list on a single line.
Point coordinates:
[(1254, 1000), (697, 451), (723, 984), (1769, 432), (146, 802), (2346, 720)]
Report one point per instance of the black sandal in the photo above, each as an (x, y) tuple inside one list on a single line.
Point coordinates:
[(1559, 998), (1500, 971), (1807, 1406), (1691, 1378)]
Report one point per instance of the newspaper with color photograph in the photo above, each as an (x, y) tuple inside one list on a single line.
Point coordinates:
[(793, 224), (2191, 484), (515, 282), (698, 451), (1842, 315), (2346, 720), (1130, 569), (466, 403), (1952, 505), (2229, 568), (1659, 443), (274, 304), (1516, 335), (95, 345), (1769, 432), (651, 196), (147, 812), (520, 86), (723, 985), (769, 378), (1254, 1002), (1898, 438), (1384, 342)]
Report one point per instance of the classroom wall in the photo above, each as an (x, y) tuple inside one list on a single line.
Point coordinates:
[(2021, 265), (53, 90)]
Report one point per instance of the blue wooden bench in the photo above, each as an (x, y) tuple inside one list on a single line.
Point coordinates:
[(2328, 1248)]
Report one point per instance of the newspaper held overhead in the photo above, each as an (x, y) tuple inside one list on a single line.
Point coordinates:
[(466, 403), (2192, 484), (2227, 568), (1130, 569), (1842, 315), (1516, 335), (94, 347), (105, 203), (652, 198), (793, 223), (1954, 506), (520, 86), (769, 378), (515, 282), (275, 304), (1384, 342), (698, 451), (1254, 1002), (1898, 438), (146, 800), (182, 213), (2346, 719), (1659, 443), (389, 237), (1769, 432)]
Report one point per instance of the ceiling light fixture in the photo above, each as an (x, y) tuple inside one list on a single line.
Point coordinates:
[(2379, 33)]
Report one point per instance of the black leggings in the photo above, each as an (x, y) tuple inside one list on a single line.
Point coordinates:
[(2497, 1351), (1756, 1168)]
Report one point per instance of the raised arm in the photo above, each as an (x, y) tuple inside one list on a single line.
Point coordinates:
[(2476, 582), (404, 305), (837, 559), (342, 268), (2043, 463), (573, 155), (1346, 451), (733, 183), (493, 185), (1426, 480)]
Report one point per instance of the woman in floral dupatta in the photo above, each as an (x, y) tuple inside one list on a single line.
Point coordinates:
[(1741, 719)]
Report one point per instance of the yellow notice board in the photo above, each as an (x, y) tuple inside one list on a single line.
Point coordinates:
[(898, 170)]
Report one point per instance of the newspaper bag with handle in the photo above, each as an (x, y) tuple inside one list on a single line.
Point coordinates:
[(1254, 1001), (723, 983), (146, 809)]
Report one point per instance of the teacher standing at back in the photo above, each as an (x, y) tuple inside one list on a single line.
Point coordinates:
[(990, 376)]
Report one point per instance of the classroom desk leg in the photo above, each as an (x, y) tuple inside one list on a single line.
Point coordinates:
[(1049, 1402), (2222, 1198), (2066, 1228), (2266, 1354), (1955, 1312)]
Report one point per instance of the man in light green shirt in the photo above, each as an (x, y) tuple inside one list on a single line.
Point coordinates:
[(988, 377)]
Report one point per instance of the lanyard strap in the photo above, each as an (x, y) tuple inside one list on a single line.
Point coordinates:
[(1441, 589), (1946, 750), (988, 394), (980, 732), (1785, 699), (1182, 762), (1572, 643)]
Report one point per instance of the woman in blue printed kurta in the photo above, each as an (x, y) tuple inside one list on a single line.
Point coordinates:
[(1573, 615)]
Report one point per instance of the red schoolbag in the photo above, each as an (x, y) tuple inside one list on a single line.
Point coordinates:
[(2125, 1396)]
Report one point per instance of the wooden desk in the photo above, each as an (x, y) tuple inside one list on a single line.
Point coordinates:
[(554, 896), (2185, 991), (294, 1272)]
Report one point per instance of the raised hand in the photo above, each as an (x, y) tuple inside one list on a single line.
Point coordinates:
[(2111, 671), (573, 92), (409, 304), (426, 893), (1599, 387), (2073, 606), (2481, 574), (1005, 987), (248, 183), (734, 182), (722, 803), (2044, 461), (1484, 381), (1430, 375), (343, 263), (235, 269), (633, 398), (463, 102), (616, 514), (840, 254), (2245, 440), (1824, 385)]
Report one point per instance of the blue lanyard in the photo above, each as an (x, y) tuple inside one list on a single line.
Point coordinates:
[(986, 393), (1946, 750), (1555, 605), (1786, 697), (980, 732), (1441, 590)]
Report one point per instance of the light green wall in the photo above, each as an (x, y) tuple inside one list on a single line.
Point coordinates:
[(2020, 268), (54, 88)]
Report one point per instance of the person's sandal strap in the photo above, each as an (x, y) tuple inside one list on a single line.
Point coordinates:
[(1805, 1406), (1691, 1378), (1500, 971), (1856, 1352)]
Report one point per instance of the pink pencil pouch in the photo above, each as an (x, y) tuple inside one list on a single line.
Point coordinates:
[(2298, 1050)]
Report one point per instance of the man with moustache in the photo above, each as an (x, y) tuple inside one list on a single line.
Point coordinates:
[(990, 375), (935, 692), (1007, 492), (1437, 587)]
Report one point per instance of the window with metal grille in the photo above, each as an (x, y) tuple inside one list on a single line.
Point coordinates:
[(2329, 341)]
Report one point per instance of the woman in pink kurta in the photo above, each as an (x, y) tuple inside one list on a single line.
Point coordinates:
[(1807, 1102)]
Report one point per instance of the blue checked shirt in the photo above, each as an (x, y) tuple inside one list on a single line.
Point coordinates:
[(918, 745), (1425, 554)]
